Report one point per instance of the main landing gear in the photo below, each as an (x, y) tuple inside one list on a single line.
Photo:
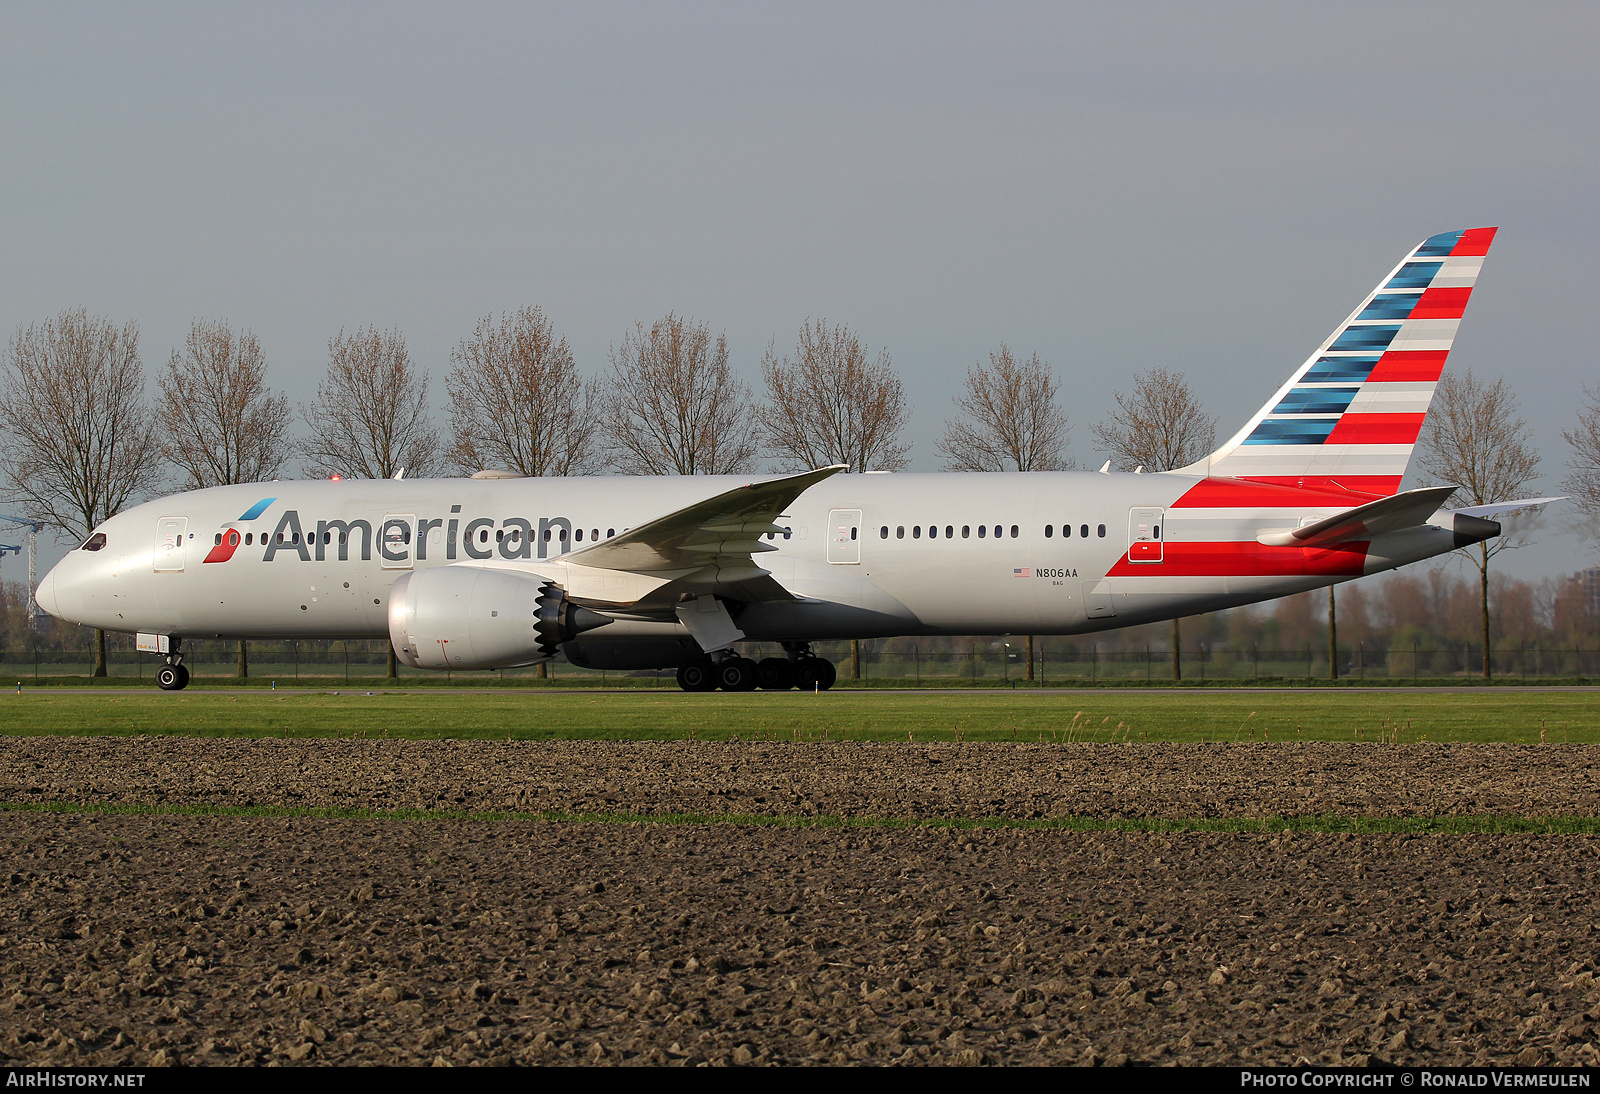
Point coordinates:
[(172, 676), (802, 669)]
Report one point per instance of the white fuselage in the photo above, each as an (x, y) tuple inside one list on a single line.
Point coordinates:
[(319, 559)]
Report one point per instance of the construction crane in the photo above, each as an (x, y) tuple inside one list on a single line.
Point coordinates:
[(34, 527)]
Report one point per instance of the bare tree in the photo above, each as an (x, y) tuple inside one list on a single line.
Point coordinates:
[(830, 403), (1475, 439), (1160, 425), (371, 419), (1583, 481), (517, 400), (218, 419), (675, 407), (77, 447), (1010, 419)]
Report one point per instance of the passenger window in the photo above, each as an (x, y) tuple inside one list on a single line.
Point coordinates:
[(966, 531), (1102, 532), (564, 535), (499, 535), (1014, 531), (1155, 531), (96, 542), (249, 538), (900, 532), (787, 532), (1048, 531), (933, 531), (233, 539), (916, 531), (883, 533), (610, 532), (998, 531), (485, 536), (1084, 531), (578, 535), (983, 530), (949, 531), (852, 533), (594, 534)]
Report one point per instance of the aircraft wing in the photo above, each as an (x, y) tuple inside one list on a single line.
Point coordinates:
[(715, 540), (1406, 510)]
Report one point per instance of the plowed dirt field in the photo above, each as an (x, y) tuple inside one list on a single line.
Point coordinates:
[(211, 938)]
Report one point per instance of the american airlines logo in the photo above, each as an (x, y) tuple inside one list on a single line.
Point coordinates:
[(398, 538)]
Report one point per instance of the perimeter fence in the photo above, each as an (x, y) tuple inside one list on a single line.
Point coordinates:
[(980, 661)]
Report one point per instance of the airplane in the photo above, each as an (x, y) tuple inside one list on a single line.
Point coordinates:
[(625, 573)]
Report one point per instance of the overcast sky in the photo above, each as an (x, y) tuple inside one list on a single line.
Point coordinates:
[(1208, 187)]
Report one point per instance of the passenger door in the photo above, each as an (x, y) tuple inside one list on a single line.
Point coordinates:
[(1145, 542), (394, 541), (170, 534), (844, 537)]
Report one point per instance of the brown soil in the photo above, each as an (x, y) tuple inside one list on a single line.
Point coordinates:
[(847, 779), (183, 939)]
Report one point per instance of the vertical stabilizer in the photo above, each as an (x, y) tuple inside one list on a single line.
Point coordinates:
[(1349, 417)]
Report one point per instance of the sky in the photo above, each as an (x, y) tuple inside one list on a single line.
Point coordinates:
[(1209, 187)]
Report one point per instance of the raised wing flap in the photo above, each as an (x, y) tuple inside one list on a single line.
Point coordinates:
[(723, 531), (1407, 510)]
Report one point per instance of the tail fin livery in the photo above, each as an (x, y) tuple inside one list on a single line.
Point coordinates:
[(1349, 417)]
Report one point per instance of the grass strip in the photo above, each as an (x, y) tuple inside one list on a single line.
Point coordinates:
[(1471, 824)]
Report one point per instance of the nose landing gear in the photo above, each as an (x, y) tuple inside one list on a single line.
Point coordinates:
[(173, 676)]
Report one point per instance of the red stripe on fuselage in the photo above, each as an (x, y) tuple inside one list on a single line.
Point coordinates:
[(1371, 486), (1441, 304), (1409, 365), (1247, 559), (1283, 493), (1473, 242), (1377, 429)]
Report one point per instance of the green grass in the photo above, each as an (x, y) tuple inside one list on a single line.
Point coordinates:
[(1491, 824), (1051, 717)]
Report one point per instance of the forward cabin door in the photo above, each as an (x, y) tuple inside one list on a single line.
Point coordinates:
[(1146, 542), (844, 537), (170, 534)]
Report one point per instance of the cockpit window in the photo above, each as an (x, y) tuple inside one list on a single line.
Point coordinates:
[(95, 542)]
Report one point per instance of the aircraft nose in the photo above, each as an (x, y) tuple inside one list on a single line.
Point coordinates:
[(45, 594)]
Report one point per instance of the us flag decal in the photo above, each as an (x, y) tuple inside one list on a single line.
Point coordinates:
[(1022, 571)]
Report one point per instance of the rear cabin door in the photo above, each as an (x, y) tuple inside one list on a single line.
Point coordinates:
[(1145, 542), (170, 534), (844, 537)]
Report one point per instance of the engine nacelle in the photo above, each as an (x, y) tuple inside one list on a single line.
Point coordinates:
[(473, 617)]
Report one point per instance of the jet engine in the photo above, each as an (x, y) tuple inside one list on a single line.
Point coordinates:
[(472, 617)]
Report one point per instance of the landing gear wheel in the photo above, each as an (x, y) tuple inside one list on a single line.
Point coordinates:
[(172, 678), (775, 674), (697, 676), (737, 674), (815, 674)]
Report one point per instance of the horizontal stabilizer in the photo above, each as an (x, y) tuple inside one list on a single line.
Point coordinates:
[(1407, 510), (1505, 507)]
